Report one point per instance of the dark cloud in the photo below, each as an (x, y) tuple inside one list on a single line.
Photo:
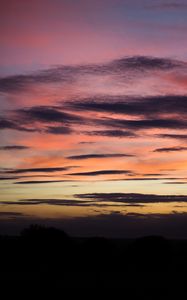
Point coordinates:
[(20, 202), (59, 130), (143, 63), (172, 136), (41, 181), (132, 197), (134, 205), (15, 125), (43, 119), (106, 155), (153, 112), (170, 149), (23, 176), (175, 182), (101, 172), (171, 123), (111, 133), (12, 83), (35, 118), (14, 147), (47, 114), (144, 178), (60, 202), (150, 178), (37, 170), (152, 174), (150, 112), (8, 178), (69, 74), (5, 124), (134, 179), (86, 143), (141, 106), (143, 124), (8, 214), (22, 82)]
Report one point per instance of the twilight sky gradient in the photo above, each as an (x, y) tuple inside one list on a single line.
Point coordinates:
[(93, 116)]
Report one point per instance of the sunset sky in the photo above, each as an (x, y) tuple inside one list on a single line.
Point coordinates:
[(93, 116)]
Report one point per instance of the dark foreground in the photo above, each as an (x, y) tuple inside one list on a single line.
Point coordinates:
[(47, 257)]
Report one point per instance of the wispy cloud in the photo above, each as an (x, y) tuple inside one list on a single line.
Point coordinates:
[(58, 202), (170, 149), (42, 119), (100, 155), (102, 172), (111, 133), (8, 178), (172, 136), (42, 181), (37, 170), (59, 130), (11, 124), (143, 123), (14, 147), (102, 200), (175, 182), (69, 74), (62, 118), (132, 197), (11, 214), (47, 114), (136, 106)]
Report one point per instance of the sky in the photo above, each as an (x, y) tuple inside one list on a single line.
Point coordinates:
[(93, 106)]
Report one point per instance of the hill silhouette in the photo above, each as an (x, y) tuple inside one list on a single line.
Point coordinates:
[(48, 255)]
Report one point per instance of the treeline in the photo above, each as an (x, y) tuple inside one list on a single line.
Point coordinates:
[(49, 255), (42, 247)]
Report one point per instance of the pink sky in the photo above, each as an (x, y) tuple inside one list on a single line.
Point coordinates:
[(93, 98)]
